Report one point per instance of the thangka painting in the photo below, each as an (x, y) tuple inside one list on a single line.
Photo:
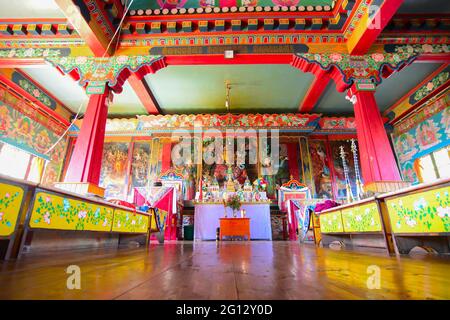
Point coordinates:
[(425, 132), (320, 169), (240, 172), (54, 167), (339, 168), (305, 163), (281, 173), (189, 170), (114, 173), (140, 164), (24, 133)]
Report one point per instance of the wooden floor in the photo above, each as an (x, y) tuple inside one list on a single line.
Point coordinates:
[(231, 270)]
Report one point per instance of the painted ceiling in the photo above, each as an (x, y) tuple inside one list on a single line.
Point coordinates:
[(254, 88), (30, 9), (72, 95), (157, 4)]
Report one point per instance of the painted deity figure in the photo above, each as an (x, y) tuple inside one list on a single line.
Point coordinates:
[(427, 134)]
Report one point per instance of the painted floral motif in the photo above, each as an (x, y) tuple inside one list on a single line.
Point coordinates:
[(125, 221), (422, 48), (422, 212), (426, 89), (337, 123), (226, 120), (359, 68), (55, 212), (10, 201), (102, 69), (33, 53), (36, 93), (364, 218), (331, 222)]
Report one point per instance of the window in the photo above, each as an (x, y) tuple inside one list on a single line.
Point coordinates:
[(435, 165), (19, 164), (14, 162)]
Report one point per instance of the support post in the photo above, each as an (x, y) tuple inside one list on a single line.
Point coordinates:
[(83, 172), (379, 168)]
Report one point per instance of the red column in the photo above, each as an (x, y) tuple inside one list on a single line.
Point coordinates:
[(86, 160), (378, 164)]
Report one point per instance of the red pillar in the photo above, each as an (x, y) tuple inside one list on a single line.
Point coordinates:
[(86, 160), (379, 168)]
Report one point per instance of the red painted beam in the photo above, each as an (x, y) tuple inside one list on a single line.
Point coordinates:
[(21, 63), (144, 94), (315, 91), (91, 32), (369, 28), (238, 59), (434, 58)]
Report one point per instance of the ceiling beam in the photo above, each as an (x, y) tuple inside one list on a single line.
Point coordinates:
[(94, 22), (315, 91), (144, 94), (372, 23)]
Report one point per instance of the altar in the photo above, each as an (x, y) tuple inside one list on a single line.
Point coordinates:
[(207, 215)]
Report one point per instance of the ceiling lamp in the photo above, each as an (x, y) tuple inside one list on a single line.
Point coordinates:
[(227, 95)]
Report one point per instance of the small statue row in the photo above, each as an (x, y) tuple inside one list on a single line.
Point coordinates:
[(211, 190)]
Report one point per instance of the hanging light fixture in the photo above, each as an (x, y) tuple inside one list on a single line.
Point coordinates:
[(227, 95)]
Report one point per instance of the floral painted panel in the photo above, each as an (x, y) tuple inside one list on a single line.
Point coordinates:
[(331, 222), (421, 212), (126, 221), (10, 201), (363, 218), (36, 92), (52, 211)]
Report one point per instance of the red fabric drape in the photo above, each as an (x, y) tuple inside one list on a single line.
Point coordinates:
[(292, 151), (166, 157)]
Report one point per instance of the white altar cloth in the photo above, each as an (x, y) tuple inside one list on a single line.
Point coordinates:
[(206, 220)]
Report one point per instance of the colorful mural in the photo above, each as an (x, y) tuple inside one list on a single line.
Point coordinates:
[(54, 167), (10, 201), (282, 174), (51, 211), (24, 133), (423, 212), (114, 173), (140, 164), (320, 169), (422, 133)]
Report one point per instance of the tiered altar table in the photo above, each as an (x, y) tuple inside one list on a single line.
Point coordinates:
[(207, 215)]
